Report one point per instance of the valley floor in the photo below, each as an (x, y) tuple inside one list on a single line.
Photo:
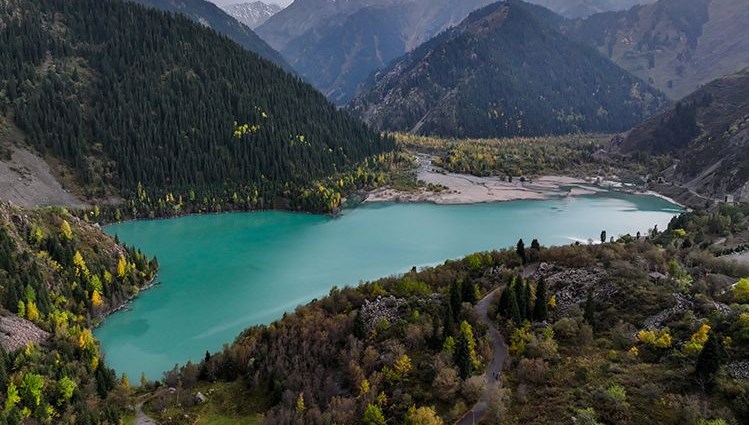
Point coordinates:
[(442, 187)]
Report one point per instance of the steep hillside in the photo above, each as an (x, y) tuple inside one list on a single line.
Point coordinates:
[(252, 14), (503, 71), (154, 107), (60, 276), (210, 15), (708, 131), (336, 45), (583, 8), (676, 45)]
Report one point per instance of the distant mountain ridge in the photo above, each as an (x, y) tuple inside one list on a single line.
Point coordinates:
[(252, 14), (210, 15), (708, 132), (675, 45), (584, 8), (336, 45), (505, 71)]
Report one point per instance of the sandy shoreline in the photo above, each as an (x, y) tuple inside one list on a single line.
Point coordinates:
[(469, 189)]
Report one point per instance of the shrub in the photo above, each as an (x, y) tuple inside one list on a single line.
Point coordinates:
[(741, 291), (533, 371)]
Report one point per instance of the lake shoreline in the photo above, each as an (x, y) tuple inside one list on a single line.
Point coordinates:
[(465, 189)]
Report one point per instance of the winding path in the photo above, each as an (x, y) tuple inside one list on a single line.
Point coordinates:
[(499, 348), (140, 417)]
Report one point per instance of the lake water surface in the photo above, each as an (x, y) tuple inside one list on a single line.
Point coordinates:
[(222, 273)]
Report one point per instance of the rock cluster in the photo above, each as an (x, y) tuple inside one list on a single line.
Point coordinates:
[(681, 304), (16, 333), (571, 286), (738, 370), (382, 308)]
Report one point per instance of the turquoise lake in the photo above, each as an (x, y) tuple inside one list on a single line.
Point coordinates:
[(222, 273)]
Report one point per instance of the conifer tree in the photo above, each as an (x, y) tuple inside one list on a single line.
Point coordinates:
[(504, 301), (514, 311), (468, 292), (520, 250), (709, 361), (463, 352), (540, 310), (590, 309), (359, 327), (456, 300), (522, 297)]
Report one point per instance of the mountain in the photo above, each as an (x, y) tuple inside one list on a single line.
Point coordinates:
[(252, 14), (128, 101), (505, 71), (584, 8), (676, 45), (336, 45), (708, 132), (210, 15)]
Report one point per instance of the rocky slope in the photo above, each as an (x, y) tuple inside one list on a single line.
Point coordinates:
[(708, 131), (675, 45), (252, 14), (505, 71)]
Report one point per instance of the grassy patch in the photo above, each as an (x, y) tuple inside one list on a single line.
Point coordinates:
[(228, 403)]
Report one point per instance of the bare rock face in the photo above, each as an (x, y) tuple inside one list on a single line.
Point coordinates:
[(571, 286), (16, 333)]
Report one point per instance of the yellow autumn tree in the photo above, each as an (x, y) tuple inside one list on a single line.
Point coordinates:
[(80, 264), (403, 365), (300, 403), (364, 387), (658, 338), (96, 299), (422, 416), (698, 340), (65, 230), (32, 312), (741, 291), (121, 267), (86, 340)]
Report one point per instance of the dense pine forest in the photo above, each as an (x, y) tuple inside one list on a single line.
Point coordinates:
[(127, 99), (207, 13), (59, 277)]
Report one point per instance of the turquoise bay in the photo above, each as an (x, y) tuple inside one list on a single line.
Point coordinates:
[(222, 273)]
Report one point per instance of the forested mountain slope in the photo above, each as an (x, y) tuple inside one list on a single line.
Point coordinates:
[(505, 71), (155, 107), (59, 277), (708, 131), (210, 15), (336, 45), (676, 45)]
